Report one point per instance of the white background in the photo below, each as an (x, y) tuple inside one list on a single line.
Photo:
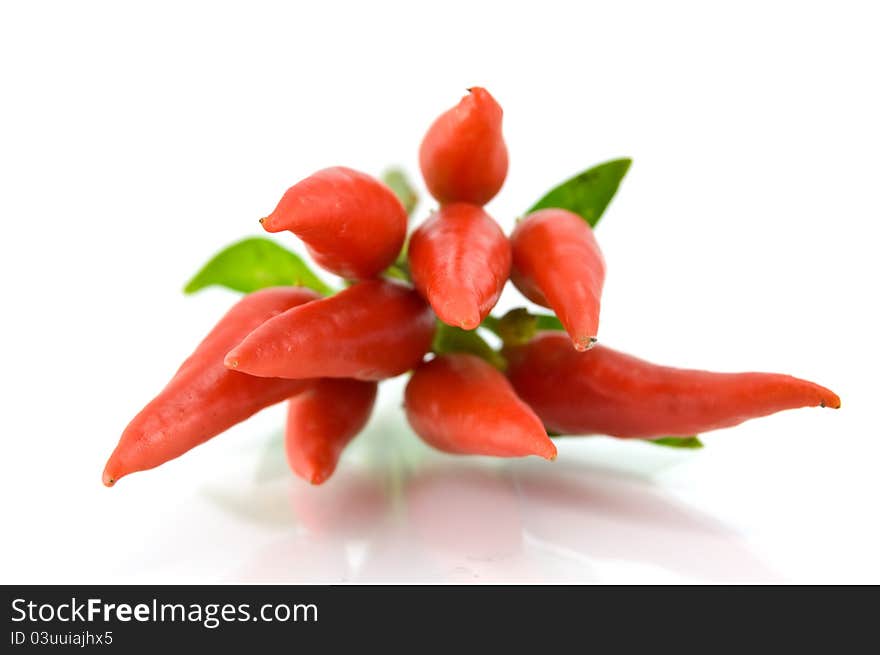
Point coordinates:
[(134, 142)]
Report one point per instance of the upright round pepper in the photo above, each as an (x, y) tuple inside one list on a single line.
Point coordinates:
[(459, 260), (557, 263), (372, 330), (460, 404), (463, 156), (204, 398), (322, 420), (607, 392), (351, 223)]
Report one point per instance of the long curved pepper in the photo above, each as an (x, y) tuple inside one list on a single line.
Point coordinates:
[(204, 398), (370, 331), (603, 391)]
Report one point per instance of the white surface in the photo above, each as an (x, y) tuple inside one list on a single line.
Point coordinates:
[(134, 143)]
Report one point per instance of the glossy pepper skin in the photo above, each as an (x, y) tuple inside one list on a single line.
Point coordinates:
[(204, 398), (352, 224), (557, 264), (603, 391), (460, 404), (463, 156), (459, 260), (322, 420), (372, 330)]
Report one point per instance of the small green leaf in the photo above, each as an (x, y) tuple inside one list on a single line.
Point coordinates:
[(677, 442), (397, 180), (587, 194), (449, 339), (255, 263)]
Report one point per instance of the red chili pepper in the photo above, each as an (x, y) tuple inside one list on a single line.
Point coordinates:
[(459, 260), (557, 263), (463, 156), (204, 398), (322, 420), (352, 224), (460, 404), (607, 392), (370, 331)]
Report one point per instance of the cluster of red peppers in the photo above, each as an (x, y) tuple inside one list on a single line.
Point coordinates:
[(326, 353)]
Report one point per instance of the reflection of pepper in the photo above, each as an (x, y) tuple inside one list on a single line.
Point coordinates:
[(204, 398), (460, 260), (352, 224), (603, 391), (463, 156), (322, 420), (460, 404), (369, 331), (557, 263)]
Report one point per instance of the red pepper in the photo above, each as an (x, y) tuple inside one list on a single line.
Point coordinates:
[(463, 156), (370, 331), (460, 404), (607, 392), (322, 420), (204, 398), (557, 263), (459, 260), (352, 224)]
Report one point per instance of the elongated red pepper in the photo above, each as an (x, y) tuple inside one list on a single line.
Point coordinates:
[(460, 404), (352, 224), (460, 260), (463, 156), (557, 263), (204, 398), (322, 420), (606, 392), (369, 331)]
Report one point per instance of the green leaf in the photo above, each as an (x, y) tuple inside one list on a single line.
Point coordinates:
[(397, 180), (677, 442), (255, 263), (449, 339), (587, 194)]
